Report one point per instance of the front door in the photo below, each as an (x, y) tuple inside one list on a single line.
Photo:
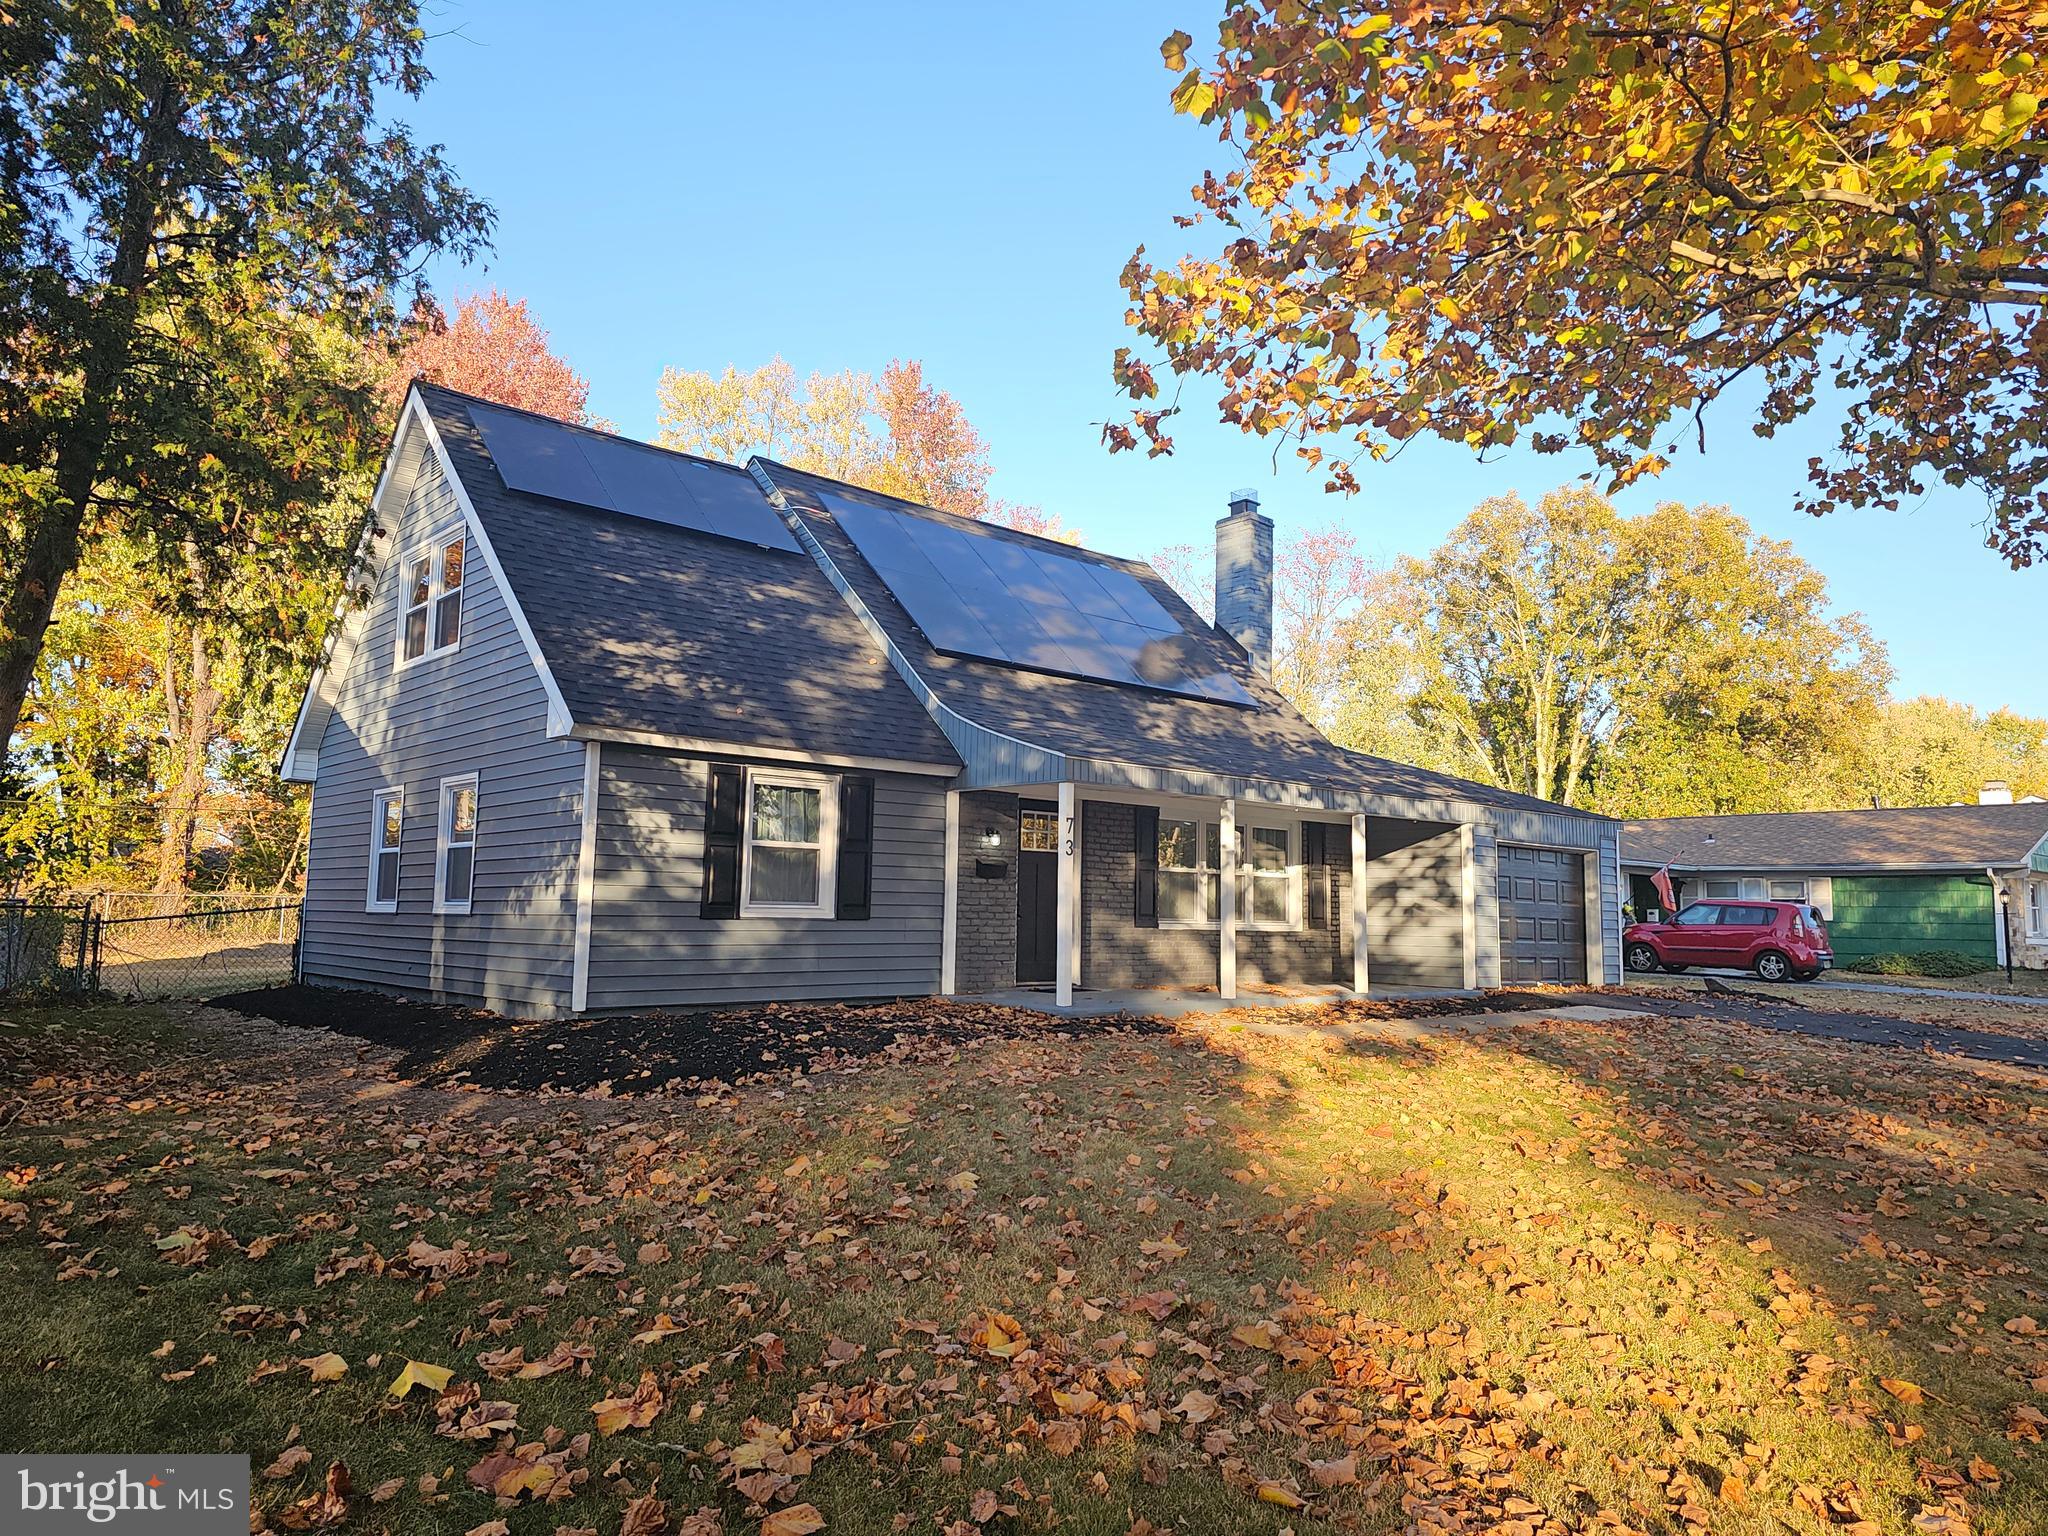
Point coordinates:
[(1038, 891)]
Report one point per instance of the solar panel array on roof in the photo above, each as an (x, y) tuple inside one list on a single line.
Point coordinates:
[(976, 594), (545, 458)]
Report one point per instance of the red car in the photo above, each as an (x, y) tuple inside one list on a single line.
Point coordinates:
[(1779, 940)]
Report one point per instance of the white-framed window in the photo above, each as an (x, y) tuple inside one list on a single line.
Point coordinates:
[(1269, 877), (1190, 869), (1721, 889), (455, 846), (791, 841), (1787, 890), (1191, 874), (387, 831), (432, 620), (2037, 909)]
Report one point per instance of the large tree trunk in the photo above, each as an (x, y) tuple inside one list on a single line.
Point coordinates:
[(48, 556), (192, 736), (50, 551)]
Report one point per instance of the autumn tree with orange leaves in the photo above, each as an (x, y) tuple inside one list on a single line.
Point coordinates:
[(1574, 223), (493, 347), (898, 434)]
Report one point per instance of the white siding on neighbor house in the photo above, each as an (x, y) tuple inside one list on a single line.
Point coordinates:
[(480, 709), (649, 948)]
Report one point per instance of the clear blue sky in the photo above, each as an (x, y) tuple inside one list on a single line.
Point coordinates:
[(696, 185)]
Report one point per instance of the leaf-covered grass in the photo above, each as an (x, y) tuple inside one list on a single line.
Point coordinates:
[(1643, 1276)]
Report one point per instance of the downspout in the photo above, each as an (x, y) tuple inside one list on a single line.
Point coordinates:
[(2001, 913)]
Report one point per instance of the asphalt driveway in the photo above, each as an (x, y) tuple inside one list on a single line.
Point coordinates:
[(1834, 1024)]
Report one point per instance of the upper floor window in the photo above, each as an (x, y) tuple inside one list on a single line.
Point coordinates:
[(433, 600)]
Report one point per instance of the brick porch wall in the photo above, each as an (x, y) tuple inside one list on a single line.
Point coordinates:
[(1117, 953), (985, 957)]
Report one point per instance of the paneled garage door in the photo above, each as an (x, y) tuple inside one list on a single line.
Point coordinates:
[(1542, 915)]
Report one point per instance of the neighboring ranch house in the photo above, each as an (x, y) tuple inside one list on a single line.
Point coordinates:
[(1891, 881), (606, 727)]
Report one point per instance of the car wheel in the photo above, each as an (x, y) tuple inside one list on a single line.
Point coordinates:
[(1772, 966), (1641, 957)]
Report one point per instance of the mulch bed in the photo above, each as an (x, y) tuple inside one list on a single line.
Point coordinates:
[(684, 1051)]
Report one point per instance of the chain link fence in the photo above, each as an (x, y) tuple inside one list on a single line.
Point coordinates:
[(148, 947), (200, 952), (46, 946)]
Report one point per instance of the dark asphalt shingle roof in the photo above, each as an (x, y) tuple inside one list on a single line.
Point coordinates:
[(1087, 719), (649, 627), (1959, 836)]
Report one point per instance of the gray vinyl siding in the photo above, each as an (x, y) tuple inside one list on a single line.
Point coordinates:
[(1414, 904), (650, 948), (479, 709), (1486, 905)]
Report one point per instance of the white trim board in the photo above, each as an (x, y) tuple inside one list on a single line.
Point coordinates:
[(759, 752), (586, 881)]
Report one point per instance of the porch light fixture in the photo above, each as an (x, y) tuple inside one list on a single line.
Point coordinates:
[(991, 838)]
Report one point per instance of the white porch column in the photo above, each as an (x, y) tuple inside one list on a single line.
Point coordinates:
[(1468, 865), (1226, 903), (949, 939), (1359, 977), (1069, 899)]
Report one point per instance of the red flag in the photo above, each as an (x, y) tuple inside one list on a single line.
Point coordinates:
[(1662, 881)]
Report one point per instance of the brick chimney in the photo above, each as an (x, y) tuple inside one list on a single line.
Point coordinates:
[(1995, 792), (1244, 578)]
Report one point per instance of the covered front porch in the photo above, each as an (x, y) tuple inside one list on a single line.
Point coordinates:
[(1098, 898)]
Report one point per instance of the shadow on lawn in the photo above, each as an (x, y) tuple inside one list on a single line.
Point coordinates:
[(1810, 1200)]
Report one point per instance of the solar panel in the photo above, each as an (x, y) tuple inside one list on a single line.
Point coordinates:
[(545, 458), (976, 594)]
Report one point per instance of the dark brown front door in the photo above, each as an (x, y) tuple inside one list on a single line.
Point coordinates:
[(1038, 886)]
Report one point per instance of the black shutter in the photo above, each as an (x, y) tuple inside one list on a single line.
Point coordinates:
[(1145, 870), (856, 848), (1315, 854), (722, 843)]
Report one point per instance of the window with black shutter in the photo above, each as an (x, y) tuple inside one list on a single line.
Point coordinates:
[(1145, 866), (1315, 854), (856, 848), (722, 842)]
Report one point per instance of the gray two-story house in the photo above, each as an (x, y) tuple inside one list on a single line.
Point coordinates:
[(606, 727)]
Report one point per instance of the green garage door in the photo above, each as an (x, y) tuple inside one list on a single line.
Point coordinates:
[(1903, 914)]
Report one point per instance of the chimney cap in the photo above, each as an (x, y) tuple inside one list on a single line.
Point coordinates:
[(1244, 496)]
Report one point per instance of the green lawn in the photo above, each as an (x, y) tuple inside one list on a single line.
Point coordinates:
[(1643, 1277)]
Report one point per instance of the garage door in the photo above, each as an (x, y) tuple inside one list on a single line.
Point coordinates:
[(1542, 915)]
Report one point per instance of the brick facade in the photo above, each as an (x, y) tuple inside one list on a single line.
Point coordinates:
[(985, 953), (2029, 952), (1115, 952)]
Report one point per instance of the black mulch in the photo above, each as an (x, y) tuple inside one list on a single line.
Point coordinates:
[(650, 1052)]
